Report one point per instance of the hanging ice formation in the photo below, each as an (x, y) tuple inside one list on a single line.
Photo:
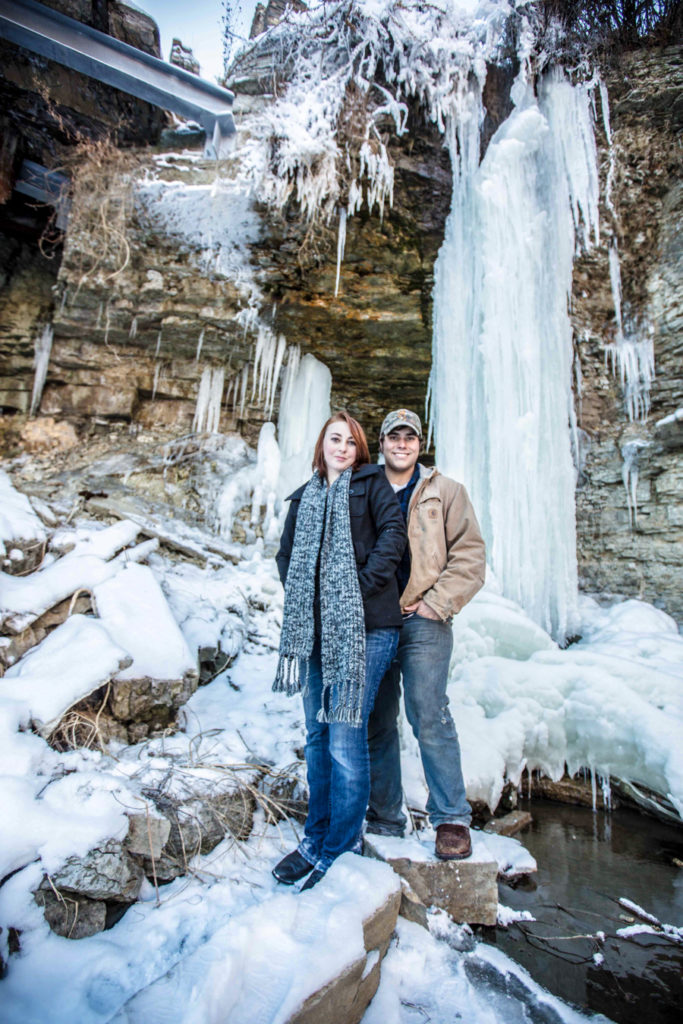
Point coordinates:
[(501, 394), (630, 453), (208, 409), (41, 360), (268, 356), (631, 354), (304, 407)]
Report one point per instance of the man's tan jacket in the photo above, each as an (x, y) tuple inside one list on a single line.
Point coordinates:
[(447, 552)]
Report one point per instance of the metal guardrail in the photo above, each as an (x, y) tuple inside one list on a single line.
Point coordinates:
[(69, 42)]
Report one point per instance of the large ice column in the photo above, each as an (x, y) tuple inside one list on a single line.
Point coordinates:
[(304, 407), (502, 359)]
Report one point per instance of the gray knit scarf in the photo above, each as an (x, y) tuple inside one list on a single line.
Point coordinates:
[(323, 527)]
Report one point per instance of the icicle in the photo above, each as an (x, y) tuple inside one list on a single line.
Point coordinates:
[(632, 352), (243, 395), (630, 453), (132, 334), (209, 398), (609, 184), (63, 300), (202, 404), (615, 282), (213, 415), (158, 348), (269, 353), (594, 790), (98, 322), (155, 382), (606, 792), (275, 375), (200, 342), (41, 359), (341, 244), (632, 357)]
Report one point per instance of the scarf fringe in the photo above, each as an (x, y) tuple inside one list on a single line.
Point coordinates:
[(288, 675), (341, 715)]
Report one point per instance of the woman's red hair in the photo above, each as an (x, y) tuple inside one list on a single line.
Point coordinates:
[(357, 433)]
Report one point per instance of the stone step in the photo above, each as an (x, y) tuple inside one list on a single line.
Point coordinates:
[(466, 889)]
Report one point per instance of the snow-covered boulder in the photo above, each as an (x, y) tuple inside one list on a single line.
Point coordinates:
[(73, 661), (162, 674), (22, 534)]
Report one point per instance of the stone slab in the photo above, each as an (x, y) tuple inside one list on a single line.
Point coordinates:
[(510, 824), (466, 889)]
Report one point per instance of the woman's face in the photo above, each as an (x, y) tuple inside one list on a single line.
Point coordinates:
[(339, 449)]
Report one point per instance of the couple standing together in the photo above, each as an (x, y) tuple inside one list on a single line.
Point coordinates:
[(375, 561)]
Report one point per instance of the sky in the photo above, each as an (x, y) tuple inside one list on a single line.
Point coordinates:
[(198, 25)]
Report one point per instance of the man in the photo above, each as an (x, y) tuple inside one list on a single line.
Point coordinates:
[(442, 569)]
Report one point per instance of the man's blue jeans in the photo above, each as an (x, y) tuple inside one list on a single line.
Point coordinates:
[(337, 760), (423, 657)]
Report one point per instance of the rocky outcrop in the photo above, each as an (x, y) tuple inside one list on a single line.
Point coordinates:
[(49, 112), (631, 543), (182, 817)]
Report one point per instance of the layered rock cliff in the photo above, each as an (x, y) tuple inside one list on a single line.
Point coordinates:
[(632, 545), (134, 334)]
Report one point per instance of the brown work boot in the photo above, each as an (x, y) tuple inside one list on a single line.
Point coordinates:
[(453, 842)]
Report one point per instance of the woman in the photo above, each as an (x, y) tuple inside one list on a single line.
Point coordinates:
[(343, 539)]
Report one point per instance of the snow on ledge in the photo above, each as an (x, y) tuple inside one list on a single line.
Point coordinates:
[(263, 964), (512, 858), (71, 662)]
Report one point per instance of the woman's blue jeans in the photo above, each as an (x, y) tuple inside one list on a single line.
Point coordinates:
[(337, 759)]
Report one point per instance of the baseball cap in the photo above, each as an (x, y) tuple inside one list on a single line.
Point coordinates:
[(401, 418)]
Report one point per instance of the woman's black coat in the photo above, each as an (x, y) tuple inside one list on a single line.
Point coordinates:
[(379, 539)]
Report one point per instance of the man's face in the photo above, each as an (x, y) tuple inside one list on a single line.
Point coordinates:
[(401, 449)]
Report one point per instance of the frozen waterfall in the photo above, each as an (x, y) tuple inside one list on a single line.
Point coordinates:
[(500, 389)]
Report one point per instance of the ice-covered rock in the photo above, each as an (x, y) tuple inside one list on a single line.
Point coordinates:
[(107, 872)]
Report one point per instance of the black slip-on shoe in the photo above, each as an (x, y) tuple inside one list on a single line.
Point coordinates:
[(292, 868)]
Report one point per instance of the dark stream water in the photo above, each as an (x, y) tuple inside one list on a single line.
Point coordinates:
[(586, 862)]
